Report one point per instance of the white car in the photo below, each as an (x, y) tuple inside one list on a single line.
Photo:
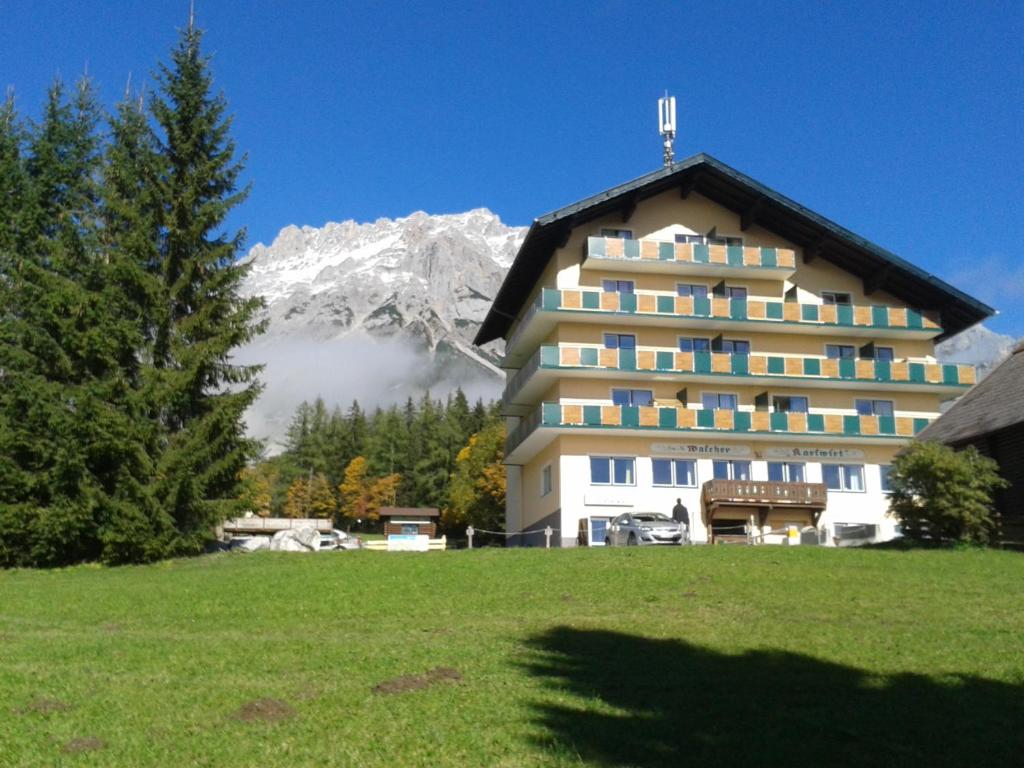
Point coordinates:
[(644, 528)]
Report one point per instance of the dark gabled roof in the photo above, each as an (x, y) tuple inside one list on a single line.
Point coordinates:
[(409, 512), (756, 203), (996, 402)]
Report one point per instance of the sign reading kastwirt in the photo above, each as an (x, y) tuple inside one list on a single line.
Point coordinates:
[(815, 453), (694, 449)]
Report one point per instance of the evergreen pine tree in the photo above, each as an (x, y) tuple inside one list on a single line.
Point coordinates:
[(202, 394)]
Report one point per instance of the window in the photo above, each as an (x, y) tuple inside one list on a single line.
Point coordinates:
[(730, 469), (789, 404), (619, 341), (694, 345), (843, 477), (712, 400), (873, 407), (677, 472), (697, 291), (612, 470), (632, 397), (732, 346), (545, 480), (883, 471), (786, 472), (709, 239), (617, 286), (623, 234), (690, 238), (885, 354), (840, 351), (831, 297), (735, 292)]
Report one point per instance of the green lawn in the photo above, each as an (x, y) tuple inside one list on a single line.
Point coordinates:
[(702, 656)]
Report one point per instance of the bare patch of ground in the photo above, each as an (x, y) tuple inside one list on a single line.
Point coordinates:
[(264, 711), (44, 706), (86, 744), (407, 683)]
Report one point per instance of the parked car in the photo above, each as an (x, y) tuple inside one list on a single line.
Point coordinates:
[(642, 528), (336, 539)]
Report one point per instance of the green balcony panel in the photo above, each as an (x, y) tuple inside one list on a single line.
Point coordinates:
[(666, 304), (887, 425), (738, 309), (769, 257), (549, 356), (809, 313), (627, 302), (920, 424), (847, 369), (627, 359), (591, 300), (667, 418), (701, 254), (595, 246), (777, 365), (667, 251), (880, 316), (631, 248), (664, 361), (588, 356), (551, 298), (883, 370), (551, 414), (779, 422), (844, 314), (701, 306), (702, 362), (917, 373), (815, 422), (773, 310), (630, 416), (914, 319), (741, 421), (706, 419), (851, 425), (734, 255), (950, 375), (812, 366), (740, 365), (592, 415)]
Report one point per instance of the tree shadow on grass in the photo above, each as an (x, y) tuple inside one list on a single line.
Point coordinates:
[(676, 704)]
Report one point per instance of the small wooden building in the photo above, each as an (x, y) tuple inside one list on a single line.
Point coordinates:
[(991, 418), (410, 520)]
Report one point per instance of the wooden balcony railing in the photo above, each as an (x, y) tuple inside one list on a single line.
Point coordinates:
[(765, 492)]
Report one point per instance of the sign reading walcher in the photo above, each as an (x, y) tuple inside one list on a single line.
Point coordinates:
[(693, 449)]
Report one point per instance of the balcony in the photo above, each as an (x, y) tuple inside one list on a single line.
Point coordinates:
[(552, 362), (543, 423), (764, 493), (616, 254), (647, 308)]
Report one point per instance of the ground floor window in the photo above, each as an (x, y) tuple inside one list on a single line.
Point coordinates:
[(786, 472), (884, 471), (545, 480), (675, 472), (730, 469), (612, 470), (843, 477)]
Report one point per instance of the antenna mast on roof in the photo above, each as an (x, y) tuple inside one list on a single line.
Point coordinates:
[(667, 125)]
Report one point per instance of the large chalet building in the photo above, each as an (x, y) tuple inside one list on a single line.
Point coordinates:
[(696, 335)]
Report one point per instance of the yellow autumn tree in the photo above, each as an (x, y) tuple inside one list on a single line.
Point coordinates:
[(362, 496), (477, 490), (257, 490), (310, 496)]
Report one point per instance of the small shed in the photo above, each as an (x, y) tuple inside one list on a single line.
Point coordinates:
[(410, 520)]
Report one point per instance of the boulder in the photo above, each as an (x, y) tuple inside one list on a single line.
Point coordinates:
[(301, 539)]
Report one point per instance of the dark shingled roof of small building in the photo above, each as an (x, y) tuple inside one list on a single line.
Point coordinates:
[(409, 512), (994, 403), (757, 204)]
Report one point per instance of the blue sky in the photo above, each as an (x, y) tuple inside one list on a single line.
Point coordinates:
[(901, 121)]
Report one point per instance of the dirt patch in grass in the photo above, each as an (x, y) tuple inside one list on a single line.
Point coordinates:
[(264, 711), (407, 683), (44, 706), (85, 744)]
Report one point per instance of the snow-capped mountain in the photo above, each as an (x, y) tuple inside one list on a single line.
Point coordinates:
[(978, 346), (376, 311)]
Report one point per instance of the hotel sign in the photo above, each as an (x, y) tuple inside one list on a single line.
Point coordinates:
[(694, 449), (815, 453)]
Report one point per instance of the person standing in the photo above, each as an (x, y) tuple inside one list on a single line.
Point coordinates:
[(682, 516)]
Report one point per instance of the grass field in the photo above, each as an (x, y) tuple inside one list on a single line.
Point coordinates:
[(703, 656)]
